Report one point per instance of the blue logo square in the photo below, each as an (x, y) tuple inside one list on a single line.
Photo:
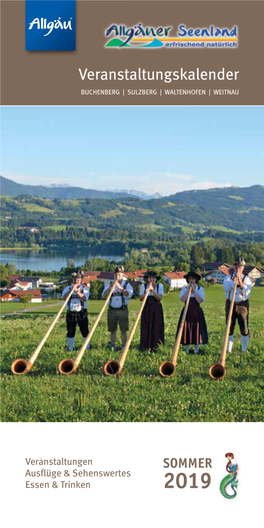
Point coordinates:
[(50, 25)]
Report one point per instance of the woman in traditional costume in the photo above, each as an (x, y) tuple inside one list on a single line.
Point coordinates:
[(195, 330), (152, 320)]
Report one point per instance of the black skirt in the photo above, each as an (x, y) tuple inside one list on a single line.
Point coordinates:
[(194, 330), (152, 325)]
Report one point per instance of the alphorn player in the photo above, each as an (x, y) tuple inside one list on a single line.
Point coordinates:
[(118, 307), (241, 306), (152, 320), (195, 329), (76, 308)]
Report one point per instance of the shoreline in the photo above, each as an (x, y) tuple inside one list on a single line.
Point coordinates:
[(21, 248)]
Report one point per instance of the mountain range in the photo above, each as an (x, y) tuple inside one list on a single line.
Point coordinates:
[(11, 188), (65, 191)]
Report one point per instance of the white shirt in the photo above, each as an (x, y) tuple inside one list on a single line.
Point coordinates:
[(159, 290), (242, 294), (128, 288), (82, 289), (198, 289)]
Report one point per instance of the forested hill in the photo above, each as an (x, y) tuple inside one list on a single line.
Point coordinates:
[(231, 214), (228, 197), (11, 188)]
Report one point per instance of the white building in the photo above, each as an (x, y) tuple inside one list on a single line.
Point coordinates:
[(175, 279), (218, 275)]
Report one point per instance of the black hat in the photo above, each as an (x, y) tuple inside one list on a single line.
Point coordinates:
[(78, 275), (194, 275), (151, 273), (239, 262), (119, 269)]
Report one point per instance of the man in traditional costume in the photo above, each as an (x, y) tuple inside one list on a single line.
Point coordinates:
[(195, 330), (118, 306), (76, 308), (152, 320), (241, 307)]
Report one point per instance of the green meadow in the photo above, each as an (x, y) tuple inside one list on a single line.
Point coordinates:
[(139, 394)]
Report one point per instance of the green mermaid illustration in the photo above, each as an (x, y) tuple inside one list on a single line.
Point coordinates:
[(230, 479)]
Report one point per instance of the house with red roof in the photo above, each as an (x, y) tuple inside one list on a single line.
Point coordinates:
[(175, 279), (217, 275), (20, 285), (34, 296), (90, 276)]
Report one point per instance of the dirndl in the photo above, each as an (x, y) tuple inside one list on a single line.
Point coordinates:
[(195, 329), (152, 325)]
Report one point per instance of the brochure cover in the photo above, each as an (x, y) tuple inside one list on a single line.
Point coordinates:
[(132, 262)]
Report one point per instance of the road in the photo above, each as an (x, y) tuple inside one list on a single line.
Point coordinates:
[(30, 309)]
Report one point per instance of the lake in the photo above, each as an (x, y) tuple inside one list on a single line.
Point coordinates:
[(48, 260)]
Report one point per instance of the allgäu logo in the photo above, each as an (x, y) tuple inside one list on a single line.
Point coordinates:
[(50, 25), (44, 24)]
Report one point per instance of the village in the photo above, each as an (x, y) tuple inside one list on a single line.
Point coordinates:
[(35, 290)]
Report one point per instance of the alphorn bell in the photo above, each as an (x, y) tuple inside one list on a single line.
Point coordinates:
[(68, 366), (217, 371), (167, 368), (114, 367), (21, 366)]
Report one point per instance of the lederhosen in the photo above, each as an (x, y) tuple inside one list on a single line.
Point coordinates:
[(240, 313), (77, 318), (195, 329), (152, 324), (118, 315)]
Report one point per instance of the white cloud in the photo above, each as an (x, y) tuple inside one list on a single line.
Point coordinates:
[(210, 185), (171, 183)]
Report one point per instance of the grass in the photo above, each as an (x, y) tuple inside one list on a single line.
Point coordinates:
[(139, 393), (127, 207), (56, 228), (168, 204), (73, 202), (185, 228), (34, 208), (234, 197), (11, 307), (111, 214), (150, 227), (144, 211), (223, 228)]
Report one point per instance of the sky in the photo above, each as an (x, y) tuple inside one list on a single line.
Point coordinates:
[(150, 149)]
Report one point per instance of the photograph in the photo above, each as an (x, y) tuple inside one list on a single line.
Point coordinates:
[(132, 264)]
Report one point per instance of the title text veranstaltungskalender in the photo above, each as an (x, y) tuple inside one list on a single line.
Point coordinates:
[(167, 76)]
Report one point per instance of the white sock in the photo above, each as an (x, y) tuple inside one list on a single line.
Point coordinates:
[(70, 342), (187, 348), (230, 343), (88, 346), (196, 349), (244, 342)]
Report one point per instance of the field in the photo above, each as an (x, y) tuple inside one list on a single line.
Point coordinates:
[(139, 393)]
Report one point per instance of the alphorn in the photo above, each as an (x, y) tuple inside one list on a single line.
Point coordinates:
[(21, 366), (114, 367), (217, 371), (68, 366), (167, 368)]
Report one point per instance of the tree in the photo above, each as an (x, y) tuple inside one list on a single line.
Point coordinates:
[(197, 256), (96, 290), (26, 299), (12, 269), (70, 263)]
